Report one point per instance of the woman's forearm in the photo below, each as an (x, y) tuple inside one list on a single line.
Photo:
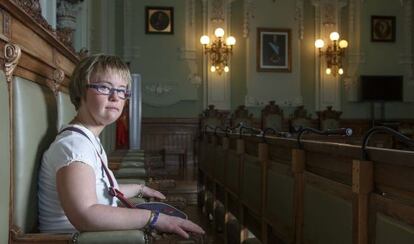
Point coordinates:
[(100, 217)]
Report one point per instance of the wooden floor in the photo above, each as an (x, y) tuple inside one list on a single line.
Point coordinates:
[(186, 179)]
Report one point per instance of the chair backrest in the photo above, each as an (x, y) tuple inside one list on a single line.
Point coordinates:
[(34, 128), (329, 118), (65, 109), (272, 117), (241, 115), (4, 158), (300, 118), (211, 117)]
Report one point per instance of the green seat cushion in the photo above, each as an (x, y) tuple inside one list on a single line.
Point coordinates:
[(131, 173), (132, 164), (109, 237)]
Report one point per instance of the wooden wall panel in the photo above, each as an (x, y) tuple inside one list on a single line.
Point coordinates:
[(169, 134)]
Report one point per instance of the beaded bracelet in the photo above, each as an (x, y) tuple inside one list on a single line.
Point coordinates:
[(141, 191), (154, 220)]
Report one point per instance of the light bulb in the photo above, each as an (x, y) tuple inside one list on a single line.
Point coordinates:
[(213, 68), (328, 71), (319, 43), (340, 71), (205, 40), (226, 69), (219, 32), (343, 44), (334, 36), (230, 41)]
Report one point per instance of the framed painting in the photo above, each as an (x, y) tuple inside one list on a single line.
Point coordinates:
[(159, 20), (383, 28), (273, 50)]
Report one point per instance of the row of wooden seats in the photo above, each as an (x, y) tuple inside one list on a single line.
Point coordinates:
[(272, 116), (323, 193)]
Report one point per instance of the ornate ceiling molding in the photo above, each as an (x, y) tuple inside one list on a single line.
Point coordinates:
[(12, 54)]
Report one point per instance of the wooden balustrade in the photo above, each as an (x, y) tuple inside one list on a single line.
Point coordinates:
[(323, 193)]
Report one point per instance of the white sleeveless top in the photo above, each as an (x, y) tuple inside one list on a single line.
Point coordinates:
[(69, 147)]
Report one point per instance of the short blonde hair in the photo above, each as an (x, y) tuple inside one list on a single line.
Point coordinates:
[(91, 66)]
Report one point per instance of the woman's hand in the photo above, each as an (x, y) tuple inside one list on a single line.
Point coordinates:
[(179, 226), (149, 192)]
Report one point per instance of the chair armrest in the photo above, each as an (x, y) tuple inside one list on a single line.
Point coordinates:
[(112, 237)]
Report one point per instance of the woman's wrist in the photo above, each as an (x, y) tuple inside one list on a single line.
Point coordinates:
[(153, 219), (140, 190)]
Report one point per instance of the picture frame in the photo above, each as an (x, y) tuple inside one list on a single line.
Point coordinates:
[(382, 28), (159, 20), (273, 52)]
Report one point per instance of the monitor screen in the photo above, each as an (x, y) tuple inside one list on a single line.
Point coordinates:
[(381, 88)]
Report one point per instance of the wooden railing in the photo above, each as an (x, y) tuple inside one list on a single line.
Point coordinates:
[(322, 193)]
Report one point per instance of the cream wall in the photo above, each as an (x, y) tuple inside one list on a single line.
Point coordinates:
[(168, 65)]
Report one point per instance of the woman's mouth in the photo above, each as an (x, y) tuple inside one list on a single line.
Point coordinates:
[(112, 108)]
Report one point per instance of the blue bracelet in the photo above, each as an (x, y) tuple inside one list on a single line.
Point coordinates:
[(154, 220)]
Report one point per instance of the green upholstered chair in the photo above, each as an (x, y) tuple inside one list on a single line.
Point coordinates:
[(30, 137), (272, 117), (241, 115), (300, 118), (329, 118)]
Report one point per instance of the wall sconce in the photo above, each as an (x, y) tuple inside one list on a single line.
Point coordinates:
[(333, 53), (219, 51)]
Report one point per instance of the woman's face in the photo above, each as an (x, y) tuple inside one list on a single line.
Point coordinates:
[(104, 109)]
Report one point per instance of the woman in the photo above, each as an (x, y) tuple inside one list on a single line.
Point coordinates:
[(73, 185)]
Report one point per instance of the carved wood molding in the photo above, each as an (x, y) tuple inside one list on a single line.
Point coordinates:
[(58, 77), (12, 54), (32, 8)]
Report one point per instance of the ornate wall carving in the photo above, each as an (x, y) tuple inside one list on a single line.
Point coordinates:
[(12, 54)]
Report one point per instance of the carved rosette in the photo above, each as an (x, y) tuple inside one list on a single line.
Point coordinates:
[(58, 76), (12, 53)]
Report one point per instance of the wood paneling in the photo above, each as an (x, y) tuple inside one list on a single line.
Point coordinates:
[(171, 134)]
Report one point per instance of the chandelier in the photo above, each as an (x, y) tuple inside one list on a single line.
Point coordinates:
[(218, 51), (333, 53)]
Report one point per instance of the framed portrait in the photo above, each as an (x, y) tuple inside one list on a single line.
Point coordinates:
[(383, 28), (273, 52), (159, 20)]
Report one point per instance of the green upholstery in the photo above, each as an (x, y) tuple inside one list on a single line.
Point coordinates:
[(111, 237), (389, 230), (131, 181), (66, 110), (4, 159), (327, 218), (273, 121), (328, 124), (135, 173), (31, 139), (132, 164)]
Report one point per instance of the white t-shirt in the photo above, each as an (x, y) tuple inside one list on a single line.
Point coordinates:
[(69, 147)]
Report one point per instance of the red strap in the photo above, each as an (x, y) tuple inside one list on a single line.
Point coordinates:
[(112, 190)]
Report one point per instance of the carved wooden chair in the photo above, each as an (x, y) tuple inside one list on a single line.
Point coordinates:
[(241, 115), (329, 118), (272, 117), (211, 117), (300, 118)]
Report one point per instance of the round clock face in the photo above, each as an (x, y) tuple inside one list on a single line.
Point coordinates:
[(159, 20)]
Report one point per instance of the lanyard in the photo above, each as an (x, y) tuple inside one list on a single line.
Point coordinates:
[(112, 190)]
